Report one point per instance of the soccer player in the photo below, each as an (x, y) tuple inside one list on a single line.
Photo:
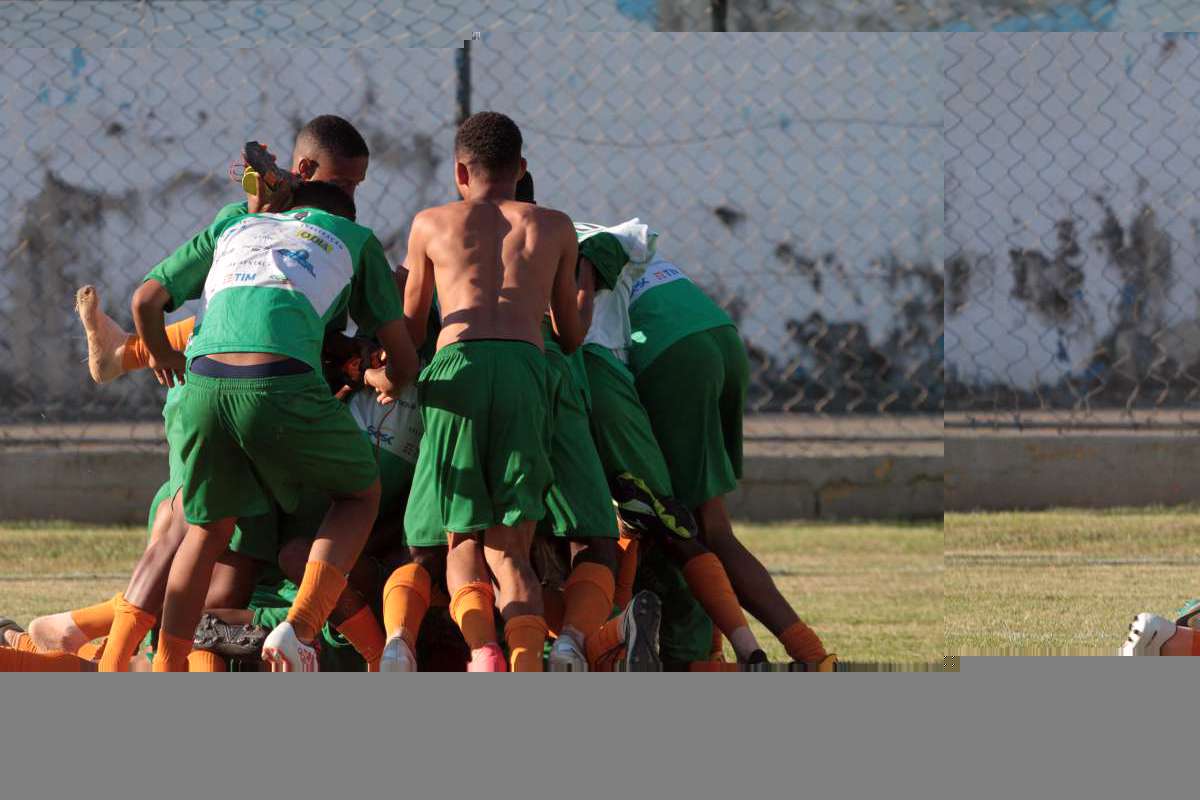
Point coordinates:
[(255, 419), (484, 464), (1152, 635), (691, 374)]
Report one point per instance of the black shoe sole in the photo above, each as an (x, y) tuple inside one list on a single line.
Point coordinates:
[(641, 623)]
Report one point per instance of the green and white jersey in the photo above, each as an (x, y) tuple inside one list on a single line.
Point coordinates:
[(644, 303), (394, 432), (271, 283)]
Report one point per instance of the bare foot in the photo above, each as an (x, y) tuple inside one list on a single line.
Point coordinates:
[(105, 339), (57, 632)]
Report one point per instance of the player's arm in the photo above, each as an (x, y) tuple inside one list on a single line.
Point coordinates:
[(376, 306), (177, 279), (569, 326), (586, 276), (419, 280)]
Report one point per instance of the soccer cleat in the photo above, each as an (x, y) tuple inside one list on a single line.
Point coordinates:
[(105, 339), (1188, 616), (284, 651), (489, 658), (827, 664), (566, 655), (397, 656), (229, 640), (639, 629), (1147, 634)]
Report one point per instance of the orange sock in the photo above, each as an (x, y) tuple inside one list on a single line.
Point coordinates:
[(172, 654), (92, 650), (136, 356), (406, 600), (25, 644), (12, 660), (362, 630), (707, 579), (588, 597), (323, 584), (129, 628), (205, 661), (626, 571), (603, 642), (553, 609), (802, 644), (95, 621), (608, 661), (471, 607), (526, 637)]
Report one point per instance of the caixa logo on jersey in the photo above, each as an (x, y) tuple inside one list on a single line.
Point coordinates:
[(381, 435)]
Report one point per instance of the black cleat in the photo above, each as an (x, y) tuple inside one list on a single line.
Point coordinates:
[(757, 662), (639, 629), (239, 642)]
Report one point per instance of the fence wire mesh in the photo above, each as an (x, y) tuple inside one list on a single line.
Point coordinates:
[(1073, 230), (416, 23), (797, 177)]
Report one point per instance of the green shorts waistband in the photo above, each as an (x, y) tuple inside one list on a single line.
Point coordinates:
[(281, 383)]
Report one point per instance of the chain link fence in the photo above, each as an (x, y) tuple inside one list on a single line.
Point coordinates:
[(415, 23), (1073, 231), (796, 177)]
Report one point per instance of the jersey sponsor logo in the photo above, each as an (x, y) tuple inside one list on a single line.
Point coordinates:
[(396, 427), (657, 273), (280, 252)]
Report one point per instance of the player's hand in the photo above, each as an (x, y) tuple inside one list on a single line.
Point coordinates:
[(169, 371), (378, 380)]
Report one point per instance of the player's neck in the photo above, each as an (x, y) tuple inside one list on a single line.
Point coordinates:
[(491, 193)]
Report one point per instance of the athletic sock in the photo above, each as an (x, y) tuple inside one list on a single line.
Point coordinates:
[(603, 642), (25, 644), (95, 621), (714, 666), (172, 654), (319, 591), (472, 608), (526, 637), (553, 609), (92, 650), (627, 564), (136, 356), (802, 644), (130, 626), (406, 599), (205, 661), (362, 630), (710, 584), (12, 660), (588, 597)]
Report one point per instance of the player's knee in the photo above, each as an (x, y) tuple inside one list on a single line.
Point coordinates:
[(293, 557)]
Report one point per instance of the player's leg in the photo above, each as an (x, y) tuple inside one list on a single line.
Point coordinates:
[(1152, 635), (187, 584), (407, 596), (506, 550), (702, 440), (111, 351), (473, 601)]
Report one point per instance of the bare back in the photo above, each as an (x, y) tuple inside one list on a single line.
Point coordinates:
[(495, 265)]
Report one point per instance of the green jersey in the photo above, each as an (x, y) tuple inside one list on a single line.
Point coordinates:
[(271, 283), (664, 307)]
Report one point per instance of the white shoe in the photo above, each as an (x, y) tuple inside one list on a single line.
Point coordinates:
[(1147, 634), (397, 656), (284, 651), (566, 655)]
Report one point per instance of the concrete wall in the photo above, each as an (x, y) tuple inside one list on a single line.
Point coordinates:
[(113, 484), (1014, 471)]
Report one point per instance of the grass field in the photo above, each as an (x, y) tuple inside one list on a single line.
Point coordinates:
[(1064, 581), (872, 591)]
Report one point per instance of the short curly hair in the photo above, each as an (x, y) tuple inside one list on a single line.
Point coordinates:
[(334, 136), (490, 143)]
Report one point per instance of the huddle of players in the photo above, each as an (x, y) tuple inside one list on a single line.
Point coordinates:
[(569, 366)]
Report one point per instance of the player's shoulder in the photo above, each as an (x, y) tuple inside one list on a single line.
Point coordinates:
[(552, 219)]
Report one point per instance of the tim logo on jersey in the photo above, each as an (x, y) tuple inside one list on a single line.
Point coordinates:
[(289, 261)]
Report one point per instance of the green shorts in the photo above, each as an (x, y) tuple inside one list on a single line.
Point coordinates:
[(695, 394), (255, 537), (621, 429), (686, 630), (579, 503), (484, 456), (244, 441)]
